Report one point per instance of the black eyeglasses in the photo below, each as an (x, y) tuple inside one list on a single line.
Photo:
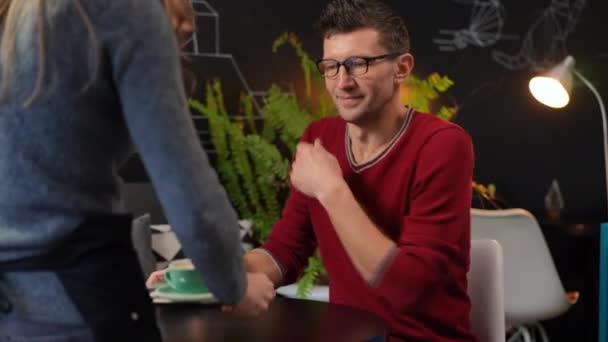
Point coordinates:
[(355, 65)]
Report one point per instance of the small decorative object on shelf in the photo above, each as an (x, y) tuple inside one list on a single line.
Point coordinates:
[(554, 202)]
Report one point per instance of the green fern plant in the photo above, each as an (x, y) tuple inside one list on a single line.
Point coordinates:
[(321, 105), (251, 165), (422, 94), (314, 270)]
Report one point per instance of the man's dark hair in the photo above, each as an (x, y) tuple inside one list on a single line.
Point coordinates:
[(344, 16)]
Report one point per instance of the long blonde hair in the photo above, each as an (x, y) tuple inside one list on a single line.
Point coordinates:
[(12, 14)]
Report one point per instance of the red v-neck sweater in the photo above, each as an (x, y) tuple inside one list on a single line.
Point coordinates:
[(419, 193)]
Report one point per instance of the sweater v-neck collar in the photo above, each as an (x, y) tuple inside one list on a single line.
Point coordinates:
[(360, 167)]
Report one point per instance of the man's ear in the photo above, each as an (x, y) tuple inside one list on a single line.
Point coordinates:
[(405, 64)]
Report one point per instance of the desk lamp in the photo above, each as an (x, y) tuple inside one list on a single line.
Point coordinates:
[(553, 89)]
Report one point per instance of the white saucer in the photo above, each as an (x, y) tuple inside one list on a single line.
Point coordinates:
[(159, 296), (319, 292)]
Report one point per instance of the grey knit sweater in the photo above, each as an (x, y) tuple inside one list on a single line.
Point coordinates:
[(59, 157)]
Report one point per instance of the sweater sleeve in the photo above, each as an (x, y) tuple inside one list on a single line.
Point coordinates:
[(292, 239), (432, 252), (140, 44)]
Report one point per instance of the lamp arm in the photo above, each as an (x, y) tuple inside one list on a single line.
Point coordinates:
[(604, 124)]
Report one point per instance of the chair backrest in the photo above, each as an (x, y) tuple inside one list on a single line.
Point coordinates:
[(140, 199), (533, 290), (485, 279)]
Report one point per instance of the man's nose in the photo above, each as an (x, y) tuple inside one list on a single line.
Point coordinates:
[(345, 80)]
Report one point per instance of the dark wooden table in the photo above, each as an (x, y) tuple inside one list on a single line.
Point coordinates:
[(287, 320)]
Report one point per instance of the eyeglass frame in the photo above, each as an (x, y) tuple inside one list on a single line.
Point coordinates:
[(367, 60)]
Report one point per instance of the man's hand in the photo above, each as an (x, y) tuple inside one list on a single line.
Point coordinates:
[(259, 294), (315, 172)]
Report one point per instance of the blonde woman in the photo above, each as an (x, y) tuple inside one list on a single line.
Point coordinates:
[(82, 85)]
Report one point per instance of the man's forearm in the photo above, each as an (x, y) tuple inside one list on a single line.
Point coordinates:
[(259, 261), (367, 247)]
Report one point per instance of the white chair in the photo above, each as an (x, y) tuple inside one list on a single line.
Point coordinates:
[(485, 279), (533, 289)]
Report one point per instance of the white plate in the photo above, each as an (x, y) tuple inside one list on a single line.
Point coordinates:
[(159, 296), (319, 292)]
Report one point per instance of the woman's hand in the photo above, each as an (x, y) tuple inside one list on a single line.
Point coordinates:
[(181, 14), (155, 278)]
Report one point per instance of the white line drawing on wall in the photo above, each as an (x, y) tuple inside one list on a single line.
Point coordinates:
[(485, 27), (545, 42), (204, 11)]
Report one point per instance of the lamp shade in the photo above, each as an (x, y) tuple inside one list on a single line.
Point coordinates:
[(553, 88)]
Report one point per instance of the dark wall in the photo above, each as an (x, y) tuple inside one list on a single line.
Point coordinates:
[(521, 146)]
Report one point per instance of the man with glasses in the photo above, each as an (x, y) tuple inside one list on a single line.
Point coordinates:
[(382, 190)]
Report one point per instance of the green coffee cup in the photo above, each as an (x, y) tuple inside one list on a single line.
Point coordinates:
[(183, 278)]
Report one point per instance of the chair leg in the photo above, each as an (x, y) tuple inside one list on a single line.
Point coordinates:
[(527, 337), (515, 336), (521, 334), (542, 332)]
